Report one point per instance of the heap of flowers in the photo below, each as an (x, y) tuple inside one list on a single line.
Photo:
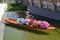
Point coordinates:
[(29, 20), (35, 23)]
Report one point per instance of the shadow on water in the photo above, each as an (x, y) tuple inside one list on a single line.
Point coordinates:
[(27, 29)]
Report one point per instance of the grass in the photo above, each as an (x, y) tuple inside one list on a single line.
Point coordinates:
[(16, 8)]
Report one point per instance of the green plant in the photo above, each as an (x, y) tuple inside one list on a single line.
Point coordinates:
[(16, 8)]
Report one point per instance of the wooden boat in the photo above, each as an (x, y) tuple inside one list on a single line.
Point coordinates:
[(13, 21)]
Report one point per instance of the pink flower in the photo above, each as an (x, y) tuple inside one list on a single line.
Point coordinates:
[(29, 21), (44, 24), (35, 21), (39, 22)]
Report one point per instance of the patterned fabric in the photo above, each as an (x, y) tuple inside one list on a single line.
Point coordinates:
[(20, 21), (29, 21)]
